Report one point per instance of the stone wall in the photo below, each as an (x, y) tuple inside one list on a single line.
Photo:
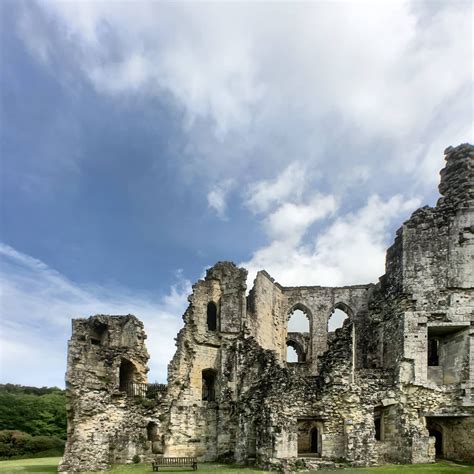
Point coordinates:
[(394, 384)]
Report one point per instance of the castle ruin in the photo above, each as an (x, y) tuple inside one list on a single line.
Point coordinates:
[(395, 384)]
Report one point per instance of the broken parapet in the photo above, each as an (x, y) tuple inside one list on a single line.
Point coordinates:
[(457, 177)]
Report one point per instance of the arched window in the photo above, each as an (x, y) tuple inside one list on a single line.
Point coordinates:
[(291, 354), (212, 316), (298, 322), (209, 385), (336, 320), (298, 334), (126, 375), (295, 353)]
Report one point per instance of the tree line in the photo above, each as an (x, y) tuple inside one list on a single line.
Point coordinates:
[(32, 420)]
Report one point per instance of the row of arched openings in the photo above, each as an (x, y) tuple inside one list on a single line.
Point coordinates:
[(299, 322)]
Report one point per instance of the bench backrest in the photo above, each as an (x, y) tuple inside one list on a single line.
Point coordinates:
[(175, 461)]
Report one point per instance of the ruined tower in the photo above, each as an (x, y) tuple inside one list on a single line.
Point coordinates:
[(107, 366), (394, 384)]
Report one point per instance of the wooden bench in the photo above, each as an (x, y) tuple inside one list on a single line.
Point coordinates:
[(174, 462)]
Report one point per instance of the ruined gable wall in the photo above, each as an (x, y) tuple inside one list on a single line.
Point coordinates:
[(264, 312), (196, 425)]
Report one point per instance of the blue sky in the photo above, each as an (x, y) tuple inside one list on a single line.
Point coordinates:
[(142, 142)]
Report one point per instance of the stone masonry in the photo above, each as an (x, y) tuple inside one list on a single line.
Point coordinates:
[(394, 384)]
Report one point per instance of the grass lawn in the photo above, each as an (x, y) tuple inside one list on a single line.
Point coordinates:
[(440, 467), (30, 465), (46, 465)]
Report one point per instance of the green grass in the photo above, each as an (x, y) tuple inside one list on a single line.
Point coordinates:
[(30, 465), (45, 465), (444, 467)]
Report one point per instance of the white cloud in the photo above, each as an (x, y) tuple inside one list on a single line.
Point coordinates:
[(289, 184), (350, 250), (37, 305), (280, 80), (217, 198), (290, 221)]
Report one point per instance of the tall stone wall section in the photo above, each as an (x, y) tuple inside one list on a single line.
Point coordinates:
[(394, 384), (105, 355)]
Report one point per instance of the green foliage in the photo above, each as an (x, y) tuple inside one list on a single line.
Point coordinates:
[(17, 444), (136, 459), (36, 411), (299, 464), (145, 402)]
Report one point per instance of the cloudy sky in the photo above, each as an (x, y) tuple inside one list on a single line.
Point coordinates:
[(142, 142)]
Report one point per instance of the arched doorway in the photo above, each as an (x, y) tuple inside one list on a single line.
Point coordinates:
[(126, 376), (309, 433), (438, 436)]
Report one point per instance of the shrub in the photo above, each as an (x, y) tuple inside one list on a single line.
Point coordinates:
[(44, 443), (136, 459), (17, 443)]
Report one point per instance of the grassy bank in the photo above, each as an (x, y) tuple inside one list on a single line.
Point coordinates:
[(45, 465)]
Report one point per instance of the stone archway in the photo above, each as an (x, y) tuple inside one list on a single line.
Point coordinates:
[(436, 431), (309, 437)]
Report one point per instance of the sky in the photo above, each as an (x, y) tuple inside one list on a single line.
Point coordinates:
[(141, 142)]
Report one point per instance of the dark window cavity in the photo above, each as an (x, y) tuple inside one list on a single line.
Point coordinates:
[(209, 385), (211, 316)]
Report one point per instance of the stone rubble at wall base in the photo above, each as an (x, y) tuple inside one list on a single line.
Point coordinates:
[(395, 384)]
